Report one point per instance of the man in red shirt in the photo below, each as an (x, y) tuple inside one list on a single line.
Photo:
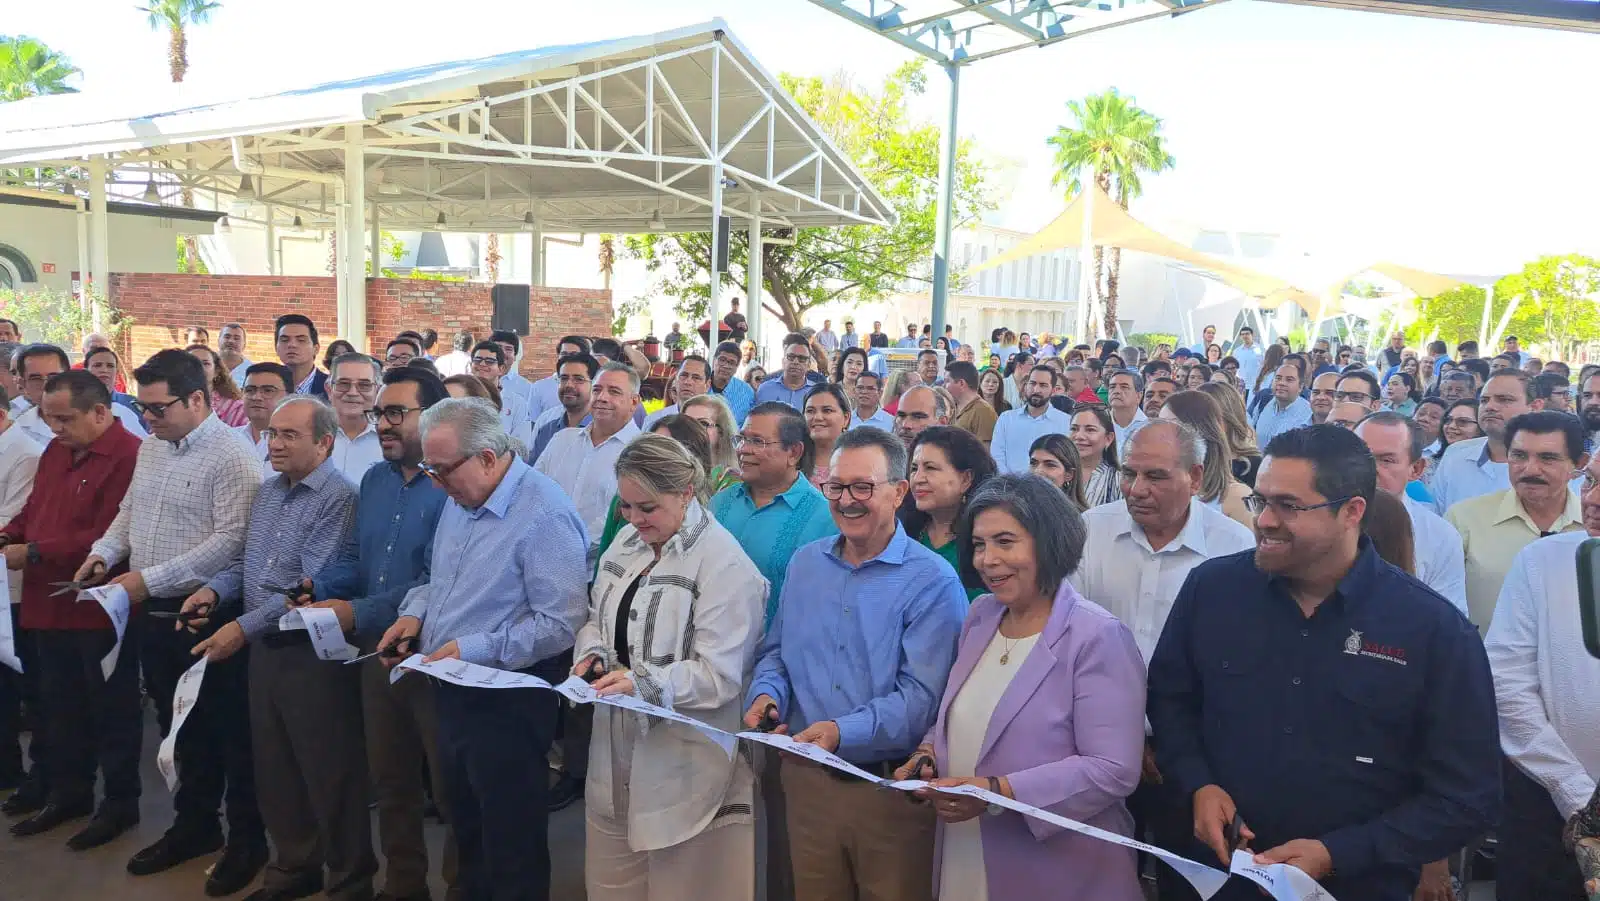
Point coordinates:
[(88, 719)]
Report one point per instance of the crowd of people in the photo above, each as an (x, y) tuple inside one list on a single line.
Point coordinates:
[(1313, 605)]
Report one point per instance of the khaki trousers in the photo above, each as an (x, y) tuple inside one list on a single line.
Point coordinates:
[(853, 841), (716, 865), (402, 730)]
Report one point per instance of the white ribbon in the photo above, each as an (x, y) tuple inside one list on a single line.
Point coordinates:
[(184, 698), (8, 641), (1281, 881), (113, 599), (322, 624)]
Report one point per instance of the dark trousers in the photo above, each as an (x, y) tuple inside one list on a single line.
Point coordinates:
[(311, 768), (1163, 817), (402, 737), (18, 690), (492, 744), (95, 723), (1530, 862), (577, 726), (213, 750)]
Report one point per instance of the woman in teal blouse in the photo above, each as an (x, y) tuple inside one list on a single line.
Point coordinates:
[(947, 466)]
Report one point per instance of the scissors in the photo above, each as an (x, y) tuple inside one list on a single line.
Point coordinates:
[(595, 672), (72, 587), (920, 761), (769, 719), (289, 593), (1233, 834), (402, 647), (197, 613)]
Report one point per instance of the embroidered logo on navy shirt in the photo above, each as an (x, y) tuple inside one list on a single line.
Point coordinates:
[(1358, 646)]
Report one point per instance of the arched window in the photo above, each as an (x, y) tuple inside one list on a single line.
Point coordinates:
[(15, 270)]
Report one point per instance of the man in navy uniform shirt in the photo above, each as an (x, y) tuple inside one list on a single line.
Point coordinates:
[(1342, 710)]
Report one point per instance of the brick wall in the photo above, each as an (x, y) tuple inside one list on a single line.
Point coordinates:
[(162, 305)]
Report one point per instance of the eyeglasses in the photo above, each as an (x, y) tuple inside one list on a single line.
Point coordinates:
[(399, 359), (157, 410), (1589, 482), (1460, 422), (861, 491), (485, 361), (274, 434), (1257, 504), (440, 473), (797, 358), (392, 415), (345, 386), (1356, 397), (754, 442)]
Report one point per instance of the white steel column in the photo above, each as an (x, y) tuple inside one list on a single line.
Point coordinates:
[(81, 217), (376, 250), (272, 243), (99, 235), (1483, 325), (536, 254), (753, 277), (1087, 285), (713, 307), (352, 273)]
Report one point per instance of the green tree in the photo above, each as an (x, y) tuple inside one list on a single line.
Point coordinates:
[(898, 156), (1558, 295), (1120, 142), (176, 16), (28, 68)]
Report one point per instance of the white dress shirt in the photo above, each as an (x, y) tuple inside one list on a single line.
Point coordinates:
[(586, 473), (237, 373), (19, 405), (514, 416), (1465, 471), (1015, 431), (1441, 561), (258, 446), (354, 456), (1546, 685), (1123, 431), (880, 419), (456, 362), (651, 420), (544, 396), (19, 460), (186, 511), (1121, 572), (30, 423)]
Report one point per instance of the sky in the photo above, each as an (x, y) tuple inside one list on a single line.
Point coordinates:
[(1449, 146)]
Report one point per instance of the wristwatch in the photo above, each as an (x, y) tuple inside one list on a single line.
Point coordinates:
[(994, 786)]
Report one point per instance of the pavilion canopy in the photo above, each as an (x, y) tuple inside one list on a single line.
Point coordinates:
[(617, 135)]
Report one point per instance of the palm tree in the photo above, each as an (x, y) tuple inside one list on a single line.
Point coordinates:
[(176, 16), (28, 68), (1120, 142), (608, 259)]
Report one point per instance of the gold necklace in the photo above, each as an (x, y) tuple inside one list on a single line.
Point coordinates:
[(1005, 656)]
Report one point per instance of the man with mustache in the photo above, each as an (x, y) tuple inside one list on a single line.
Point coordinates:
[(265, 384), (855, 662), (1139, 551), (1547, 688), (1338, 709), (1477, 466), (1544, 450), (1017, 429), (1589, 406), (575, 374), (364, 584)]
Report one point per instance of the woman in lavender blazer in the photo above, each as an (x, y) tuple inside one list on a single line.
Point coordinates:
[(1045, 704)]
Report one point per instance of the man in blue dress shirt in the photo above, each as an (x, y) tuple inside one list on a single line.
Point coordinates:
[(1342, 710), (1286, 410), (790, 385), (855, 661), (736, 391), (384, 557), (507, 588)]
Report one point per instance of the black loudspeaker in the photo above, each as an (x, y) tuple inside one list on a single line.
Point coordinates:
[(723, 227), (510, 308)]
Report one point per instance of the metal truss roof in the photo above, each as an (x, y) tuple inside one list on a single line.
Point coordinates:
[(622, 135), (960, 32)]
